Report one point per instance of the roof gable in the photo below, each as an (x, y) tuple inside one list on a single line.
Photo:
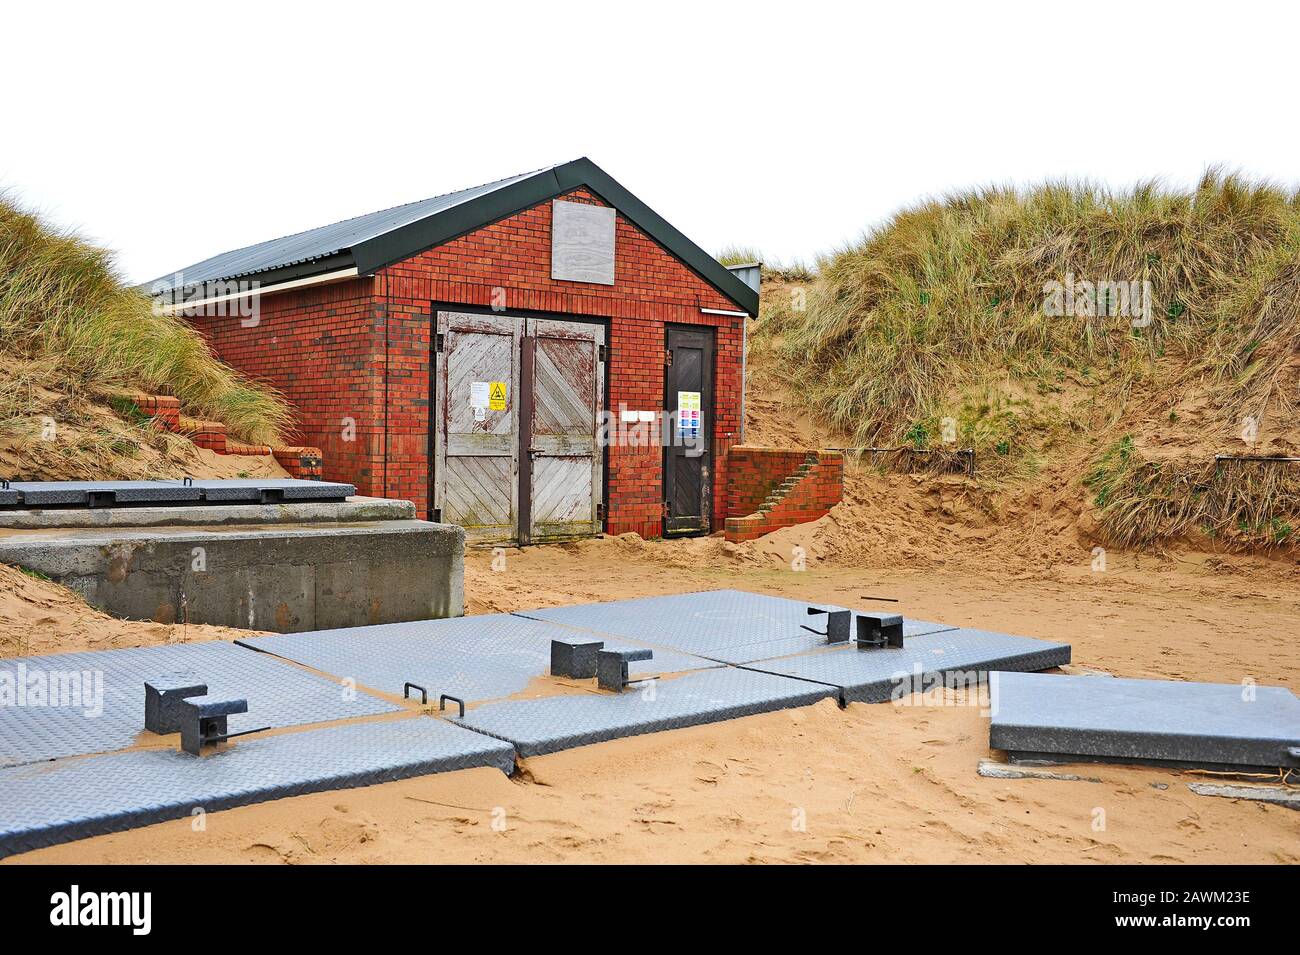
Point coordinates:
[(371, 242)]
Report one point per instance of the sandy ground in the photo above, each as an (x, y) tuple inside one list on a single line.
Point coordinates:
[(883, 783), (38, 617)]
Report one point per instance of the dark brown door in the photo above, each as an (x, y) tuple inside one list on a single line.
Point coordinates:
[(688, 401)]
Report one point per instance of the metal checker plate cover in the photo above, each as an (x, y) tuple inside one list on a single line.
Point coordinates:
[(278, 694), (550, 724), (48, 803), (1133, 720), (731, 626), (874, 676), (292, 489), (475, 658), (45, 493)]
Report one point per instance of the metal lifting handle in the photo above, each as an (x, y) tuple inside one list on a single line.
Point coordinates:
[(424, 694), (442, 704)]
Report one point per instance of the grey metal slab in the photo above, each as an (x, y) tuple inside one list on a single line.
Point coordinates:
[(1160, 721), (956, 656), (49, 803), (110, 493), (473, 658), (550, 724), (103, 493), (731, 626), (270, 490), (278, 694)]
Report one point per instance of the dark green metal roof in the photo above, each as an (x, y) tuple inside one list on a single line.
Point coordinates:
[(379, 239)]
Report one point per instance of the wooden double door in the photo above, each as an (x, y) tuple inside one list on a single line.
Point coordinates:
[(515, 421)]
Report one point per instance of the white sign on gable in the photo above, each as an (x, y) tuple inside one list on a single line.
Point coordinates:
[(582, 242)]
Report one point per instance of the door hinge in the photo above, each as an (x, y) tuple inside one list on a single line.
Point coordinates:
[(668, 358), (601, 353), (600, 512), (667, 508), (437, 515), (438, 342)]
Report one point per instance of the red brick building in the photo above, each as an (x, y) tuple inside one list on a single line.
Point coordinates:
[(512, 357)]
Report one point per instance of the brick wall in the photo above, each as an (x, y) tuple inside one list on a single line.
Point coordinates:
[(651, 288), (359, 351), (755, 474), (321, 348)]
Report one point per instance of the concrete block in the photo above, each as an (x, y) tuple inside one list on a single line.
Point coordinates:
[(286, 578), (353, 510)]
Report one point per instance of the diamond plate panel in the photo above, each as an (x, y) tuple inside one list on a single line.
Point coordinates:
[(550, 724), (237, 490), (234, 490), (76, 798), (874, 676), (278, 694), (474, 658), (730, 626), (1136, 720), (47, 493)]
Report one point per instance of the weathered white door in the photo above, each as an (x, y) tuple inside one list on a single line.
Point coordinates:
[(562, 381), (476, 434)]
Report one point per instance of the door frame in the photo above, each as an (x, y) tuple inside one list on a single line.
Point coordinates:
[(708, 411), (435, 397), (527, 411), (437, 412)]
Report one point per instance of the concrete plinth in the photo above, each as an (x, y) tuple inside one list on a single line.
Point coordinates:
[(285, 577), (352, 510)]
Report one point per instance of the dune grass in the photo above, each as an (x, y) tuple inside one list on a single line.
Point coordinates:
[(917, 329), (62, 302), (795, 270)]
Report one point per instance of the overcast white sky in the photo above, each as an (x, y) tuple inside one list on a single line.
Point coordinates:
[(174, 131)]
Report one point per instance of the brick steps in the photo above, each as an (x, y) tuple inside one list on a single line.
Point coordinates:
[(771, 488), (300, 462)]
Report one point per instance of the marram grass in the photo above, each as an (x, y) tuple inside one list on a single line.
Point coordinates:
[(934, 328), (62, 302)]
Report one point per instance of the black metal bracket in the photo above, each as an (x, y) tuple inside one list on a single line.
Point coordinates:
[(837, 624), (187, 482), (424, 694), (877, 630), (225, 736), (442, 704)]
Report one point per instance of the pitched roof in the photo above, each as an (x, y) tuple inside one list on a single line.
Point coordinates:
[(371, 242)]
